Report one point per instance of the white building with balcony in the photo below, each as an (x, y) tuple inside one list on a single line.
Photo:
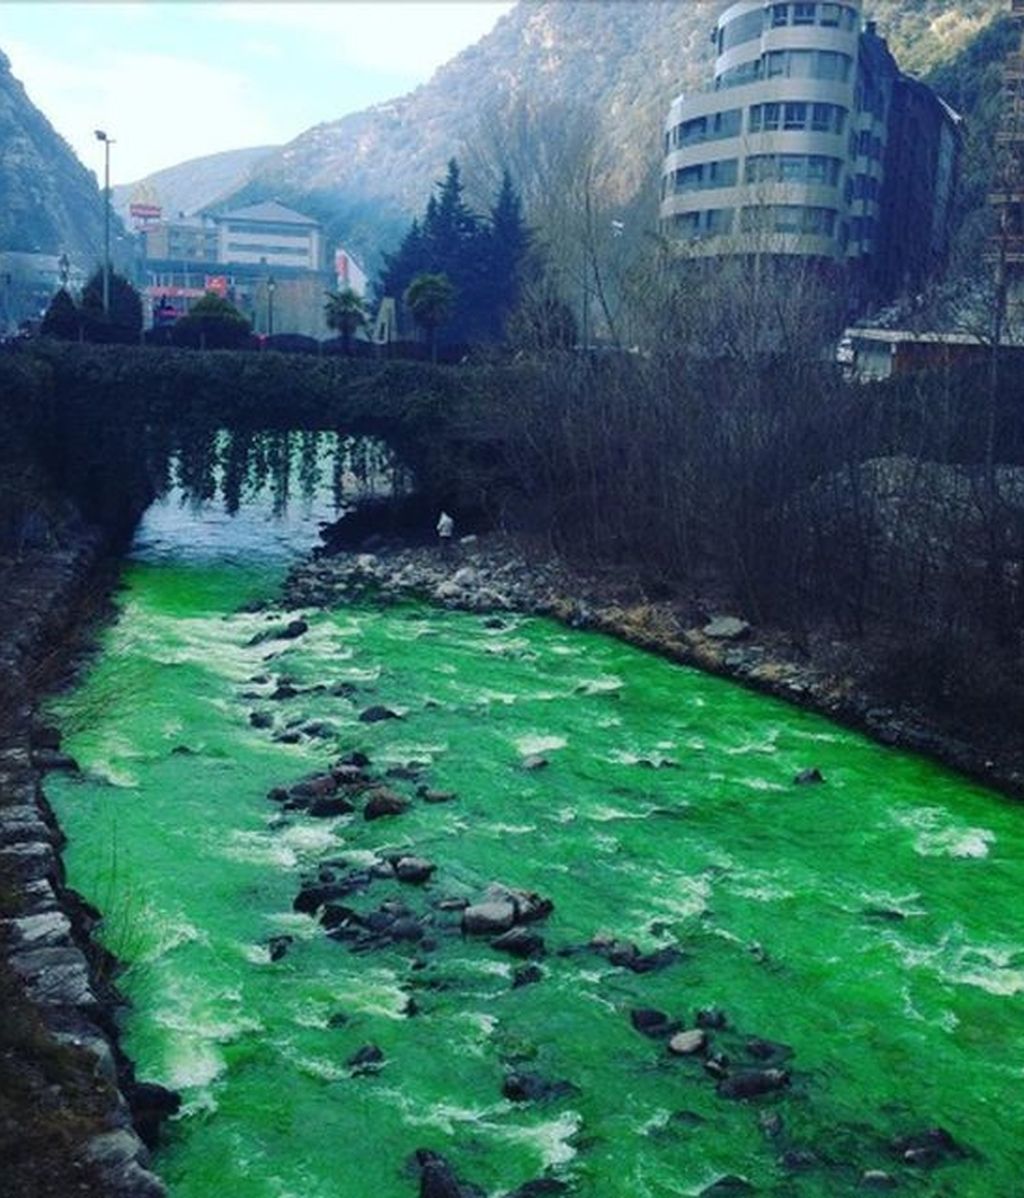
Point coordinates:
[(786, 152)]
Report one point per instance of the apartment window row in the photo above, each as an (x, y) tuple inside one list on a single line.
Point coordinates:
[(711, 222), (752, 24), (793, 168), (789, 64), (789, 218), (796, 115), (273, 228), (280, 251), (713, 127), (706, 176)]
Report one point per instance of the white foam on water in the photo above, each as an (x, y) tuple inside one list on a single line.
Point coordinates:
[(657, 759), (108, 774), (604, 684), (192, 1063), (761, 784), (945, 1021), (505, 698), (163, 934), (255, 848), (565, 815), (657, 1122), (549, 1140), (681, 895), (445, 1116), (538, 743), (604, 814), (511, 829), (609, 721), (938, 835), (310, 839), (997, 969), (375, 992)]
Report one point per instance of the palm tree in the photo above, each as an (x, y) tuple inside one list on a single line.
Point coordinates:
[(430, 298), (346, 314)]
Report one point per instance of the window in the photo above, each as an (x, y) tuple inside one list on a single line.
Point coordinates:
[(728, 123), (743, 29), (780, 15), (821, 118), (803, 14), (772, 114), (832, 65), (830, 15), (789, 219), (794, 116), (746, 72), (801, 64), (687, 224), (689, 178), (692, 132), (774, 63)]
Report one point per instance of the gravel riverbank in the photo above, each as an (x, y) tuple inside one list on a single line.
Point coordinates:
[(822, 672)]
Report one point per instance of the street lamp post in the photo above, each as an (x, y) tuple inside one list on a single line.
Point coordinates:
[(271, 288), (107, 143)]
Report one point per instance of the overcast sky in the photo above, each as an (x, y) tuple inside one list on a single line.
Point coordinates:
[(174, 80)]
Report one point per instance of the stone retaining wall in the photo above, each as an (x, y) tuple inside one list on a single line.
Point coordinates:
[(47, 944)]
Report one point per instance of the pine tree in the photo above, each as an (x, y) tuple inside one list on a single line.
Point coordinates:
[(123, 323), (62, 320), (509, 243)]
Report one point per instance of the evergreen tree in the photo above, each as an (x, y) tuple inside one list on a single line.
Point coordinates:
[(509, 243), (482, 258), (62, 320), (212, 323), (123, 323)]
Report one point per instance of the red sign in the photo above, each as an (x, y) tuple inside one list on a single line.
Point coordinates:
[(218, 284), (145, 211)]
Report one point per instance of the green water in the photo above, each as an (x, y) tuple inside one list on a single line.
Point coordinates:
[(772, 892)]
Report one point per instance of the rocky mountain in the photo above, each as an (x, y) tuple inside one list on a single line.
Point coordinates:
[(368, 172), (49, 202), (192, 185)]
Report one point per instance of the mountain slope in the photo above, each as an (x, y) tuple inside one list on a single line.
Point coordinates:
[(49, 202), (621, 61), (189, 186)]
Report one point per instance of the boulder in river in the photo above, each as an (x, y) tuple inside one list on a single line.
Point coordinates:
[(150, 1104), (533, 761), (527, 975), (809, 777), (519, 942), (438, 1179), (488, 919), (531, 1087), (384, 802), (927, 1148), (377, 713), (53, 759), (435, 796), (315, 785), (688, 1044), (655, 1024), (330, 805), (356, 758), (726, 628), (768, 1052), (414, 870), (753, 1083), (277, 946), (261, 719), (367, 1059), (713, 1018), (877, 1179)]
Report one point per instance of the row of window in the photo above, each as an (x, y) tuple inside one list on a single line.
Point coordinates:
[(796, 116), (814, 169), (790, 115), (865, 144), (811, 169), (767, 218), (278, 251), (788, 64), (862, 187), (752, 24), (275, 228)]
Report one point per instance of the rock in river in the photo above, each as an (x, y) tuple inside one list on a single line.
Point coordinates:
[(376, 713), (519, 943), (687, 1044), (413, 870), (384, 802), (752, 1083), (487, 919)]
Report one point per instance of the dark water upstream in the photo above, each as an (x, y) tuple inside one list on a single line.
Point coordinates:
[(872, 924)]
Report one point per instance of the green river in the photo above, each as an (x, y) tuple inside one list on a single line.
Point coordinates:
[(872, 923)]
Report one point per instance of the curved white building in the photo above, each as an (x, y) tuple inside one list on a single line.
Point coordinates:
[(785, 151)]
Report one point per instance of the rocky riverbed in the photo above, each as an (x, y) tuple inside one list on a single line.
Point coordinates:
[(823, 672)]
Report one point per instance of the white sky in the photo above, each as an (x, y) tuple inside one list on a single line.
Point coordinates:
[(169, 81)]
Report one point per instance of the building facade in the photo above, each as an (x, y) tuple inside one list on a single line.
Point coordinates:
[(787, 151), (1006, 252)]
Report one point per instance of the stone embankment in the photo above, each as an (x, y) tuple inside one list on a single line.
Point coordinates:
[(821, 673), (56, 982)]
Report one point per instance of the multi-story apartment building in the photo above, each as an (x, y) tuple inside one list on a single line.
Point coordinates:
[(1007, 197), (791, 150)]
